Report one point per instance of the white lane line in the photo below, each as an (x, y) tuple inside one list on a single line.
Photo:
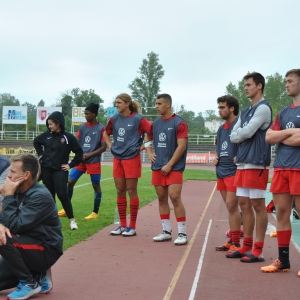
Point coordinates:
[(195, 284)]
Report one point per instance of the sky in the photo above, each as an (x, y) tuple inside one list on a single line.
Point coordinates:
[(50, 47)]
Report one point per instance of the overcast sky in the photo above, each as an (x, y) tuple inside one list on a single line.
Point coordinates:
[(49, 47)]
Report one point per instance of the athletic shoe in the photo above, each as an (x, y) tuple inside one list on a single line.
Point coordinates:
[(299, 274), (25, 290), (235, 254), (234, 247), (224, 247), (73, 225), (129, 232), (276, 266), (163, 237), (118, 231), (93, 215), (181, 239), (250, 258), (45, 281), (62, 213)]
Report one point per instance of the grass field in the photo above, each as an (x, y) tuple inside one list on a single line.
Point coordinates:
[(83, 202)]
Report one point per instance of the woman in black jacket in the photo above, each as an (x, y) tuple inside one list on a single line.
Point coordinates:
[(53, 148)]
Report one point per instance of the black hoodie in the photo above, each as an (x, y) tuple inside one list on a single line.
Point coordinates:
[(55, 147)]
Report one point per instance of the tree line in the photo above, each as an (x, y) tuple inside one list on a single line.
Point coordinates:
[(144, 88)]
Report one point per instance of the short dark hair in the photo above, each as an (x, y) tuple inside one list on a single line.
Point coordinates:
[(293, 71), (30, 163), (166, 97), (257, 78), (230, 102)]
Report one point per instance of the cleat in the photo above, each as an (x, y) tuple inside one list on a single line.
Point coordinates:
[(93, 215), (299, 274), (250, 258), (181, 239), (62, 213), (129, 232), (118, 231), (273, 233), (235, 247), (24, 290), (276, 266), (45, 281), (163, 237), (224, 247), (235, 254), (73, 225)]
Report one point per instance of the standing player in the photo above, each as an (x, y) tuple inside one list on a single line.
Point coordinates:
[(169, 134), (127, 128), (90, 137), (285, 131), (226, 168), (253, 160)]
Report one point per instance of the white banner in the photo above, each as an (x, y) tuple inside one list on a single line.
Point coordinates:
[(78, 115), (42, 113), (14, 115)]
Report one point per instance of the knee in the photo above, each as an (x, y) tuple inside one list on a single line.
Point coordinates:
[(175, 199)]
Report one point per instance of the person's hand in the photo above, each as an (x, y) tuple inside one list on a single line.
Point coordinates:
[(65, 167), (216, 161), (152, 158), (9, 187), (166, 169), (3, 232)]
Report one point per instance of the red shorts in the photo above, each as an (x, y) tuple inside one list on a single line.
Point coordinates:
[(286, 182), (226, 184), (252, 178), (94, 168), (174, 177), (128, 168)]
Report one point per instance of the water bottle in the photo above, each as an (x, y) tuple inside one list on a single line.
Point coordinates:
[(116, 216)]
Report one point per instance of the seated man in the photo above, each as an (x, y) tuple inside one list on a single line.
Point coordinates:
[(30, 231)]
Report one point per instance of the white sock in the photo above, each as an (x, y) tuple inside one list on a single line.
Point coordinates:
[(181, 227), (166, 225)]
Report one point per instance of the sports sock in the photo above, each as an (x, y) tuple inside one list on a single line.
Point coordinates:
[(70, 194), (165, 222), (257, 248), (247, 245), (283, 239), (134, 207), (122, 205), (235, 236), (97, 202), (181, 225)]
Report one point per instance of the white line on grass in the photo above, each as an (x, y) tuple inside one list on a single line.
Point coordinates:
[(109, 178), (194, 287)]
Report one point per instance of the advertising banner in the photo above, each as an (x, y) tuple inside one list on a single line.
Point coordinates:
[(43, 112), (200, 158), (14, 115), (78, 115)]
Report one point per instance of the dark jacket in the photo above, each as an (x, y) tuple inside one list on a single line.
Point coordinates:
[(34, 214), (55, 147)]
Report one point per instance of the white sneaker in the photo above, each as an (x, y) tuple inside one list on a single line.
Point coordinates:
[(73, 225), (163, 237), (181, 240), (118, 231), (129, 232)]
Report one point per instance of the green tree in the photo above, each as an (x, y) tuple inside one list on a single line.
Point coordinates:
[(31, 116), (41, 103), (146, 86), (239, 93)]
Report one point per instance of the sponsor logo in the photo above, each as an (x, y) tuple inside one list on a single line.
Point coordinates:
[(130, 124), (162, 137), (43, 114), (170, 128), (62, 140), (94, 132), (224, 145), (87, 139), (50, 137), (121, 131), (290, 125)]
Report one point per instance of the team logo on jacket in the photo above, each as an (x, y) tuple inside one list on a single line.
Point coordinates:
[(62, 140), (290, 125), (162, 137), (224, 145), (121, 131), (87, 139)]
